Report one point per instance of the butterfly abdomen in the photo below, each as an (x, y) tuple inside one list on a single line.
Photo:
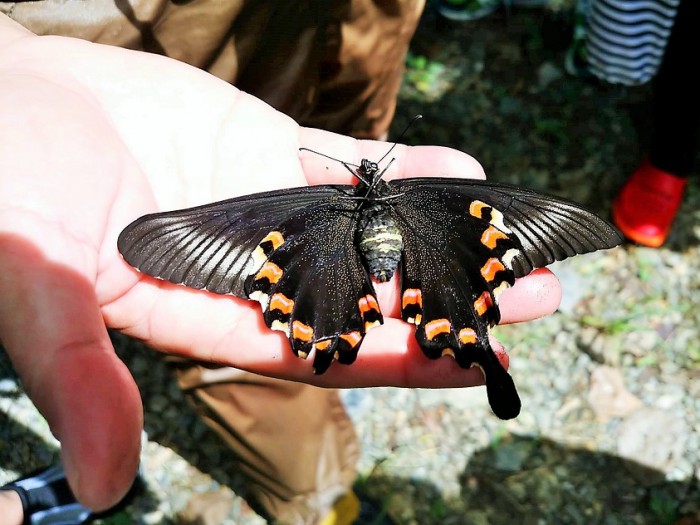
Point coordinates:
[(380, 242)]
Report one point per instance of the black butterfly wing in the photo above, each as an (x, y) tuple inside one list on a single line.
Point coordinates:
[(465, 241), (549, 228), (454, 267), (210, 247), (314, 287), (292, 250)]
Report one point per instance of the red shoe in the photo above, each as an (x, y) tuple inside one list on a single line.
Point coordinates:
[(647, 204)]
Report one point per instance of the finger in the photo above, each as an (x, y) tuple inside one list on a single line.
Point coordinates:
[(435, 161), (391, 356), (531, 297), (11, 31), (237, 335), (53, 331)]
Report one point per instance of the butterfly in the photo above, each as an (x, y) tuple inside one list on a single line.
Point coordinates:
[(308, 256)]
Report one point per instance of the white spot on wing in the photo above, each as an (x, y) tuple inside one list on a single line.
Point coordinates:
[(262, 298), (497, 221), (281, 327), (258, 258), (509, 256)]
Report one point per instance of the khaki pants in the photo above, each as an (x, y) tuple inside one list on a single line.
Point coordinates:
[(295, 443), (330, 64)]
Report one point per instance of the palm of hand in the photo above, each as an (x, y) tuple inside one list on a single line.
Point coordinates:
[(92, 137)]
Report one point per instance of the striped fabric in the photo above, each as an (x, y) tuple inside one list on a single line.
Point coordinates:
[(626, 39)]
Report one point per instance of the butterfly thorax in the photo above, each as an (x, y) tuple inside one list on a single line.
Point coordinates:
[(380, 241), (378, 236)]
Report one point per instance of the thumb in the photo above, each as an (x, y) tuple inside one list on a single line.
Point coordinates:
[(53, 331)]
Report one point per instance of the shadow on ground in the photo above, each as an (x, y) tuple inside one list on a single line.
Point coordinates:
[(494, 490)]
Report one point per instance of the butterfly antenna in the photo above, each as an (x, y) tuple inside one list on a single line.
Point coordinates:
[(405, 130), (328, 156), (346, 164), (356, 173)]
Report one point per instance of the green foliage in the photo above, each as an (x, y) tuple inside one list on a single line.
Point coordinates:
[(426, 79), (664, 507), (438, 509)]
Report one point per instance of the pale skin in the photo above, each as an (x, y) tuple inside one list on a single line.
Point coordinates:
[(11, 507), (91, 137)]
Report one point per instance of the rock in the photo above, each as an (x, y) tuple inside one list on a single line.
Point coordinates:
[(608, 396), (652, 439)]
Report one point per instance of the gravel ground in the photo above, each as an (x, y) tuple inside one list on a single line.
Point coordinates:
[(609, 432)]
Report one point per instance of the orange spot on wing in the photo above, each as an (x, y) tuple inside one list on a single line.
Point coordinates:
[(368, 303), (437, 327), (491, 268), (467, 336), (323, 345), (491, 236), (483, 303), (476, 209), (302, 331), (412, 296), (352, 338), (282, 303), (275, 238), (269, 271)]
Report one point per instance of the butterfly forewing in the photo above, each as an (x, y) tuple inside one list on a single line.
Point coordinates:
[(210, 247), (548, 228)]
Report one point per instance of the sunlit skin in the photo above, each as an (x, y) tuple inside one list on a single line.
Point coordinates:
[(92, 137), (11, 508)]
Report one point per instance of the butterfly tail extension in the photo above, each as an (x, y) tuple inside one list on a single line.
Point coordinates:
[(501, 391), (500, 388), (470, 348)]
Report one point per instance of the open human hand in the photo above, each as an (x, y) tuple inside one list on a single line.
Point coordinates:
[(92, 137)]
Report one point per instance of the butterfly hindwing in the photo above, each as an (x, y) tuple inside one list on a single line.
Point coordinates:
[(452, 276), (314, 287), (291, 250)]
